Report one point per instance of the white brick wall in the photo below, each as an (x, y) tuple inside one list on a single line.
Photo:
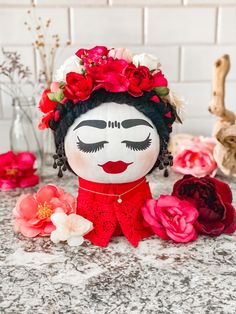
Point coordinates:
[(187, 35)]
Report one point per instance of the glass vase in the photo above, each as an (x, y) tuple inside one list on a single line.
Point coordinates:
[(24, 133), (48, 147)]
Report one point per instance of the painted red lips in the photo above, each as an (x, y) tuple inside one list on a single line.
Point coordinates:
[(115, 166)]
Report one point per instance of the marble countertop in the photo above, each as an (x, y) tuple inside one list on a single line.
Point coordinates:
[(38, 276)]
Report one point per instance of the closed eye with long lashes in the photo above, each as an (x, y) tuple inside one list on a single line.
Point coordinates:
[(90, 147), (142, 145)]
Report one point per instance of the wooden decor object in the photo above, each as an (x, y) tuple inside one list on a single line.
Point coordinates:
[(225, 128)]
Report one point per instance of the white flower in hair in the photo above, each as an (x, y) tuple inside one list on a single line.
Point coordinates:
[(148, 60), (72, 64), (70, 228)]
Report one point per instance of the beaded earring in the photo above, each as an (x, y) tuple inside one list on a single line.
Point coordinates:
[(60, 160), (165, 160)]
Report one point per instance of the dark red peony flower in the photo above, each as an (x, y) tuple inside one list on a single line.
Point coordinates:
[(78, 86), (159, 80), (45, 104), (139, 80), (213, 200), (110, 75), (94, 56)]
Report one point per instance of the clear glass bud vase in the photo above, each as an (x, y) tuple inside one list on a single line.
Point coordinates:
[(48, 149), (24, 133)]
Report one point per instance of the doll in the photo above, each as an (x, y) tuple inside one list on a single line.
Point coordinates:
[(111, 122)]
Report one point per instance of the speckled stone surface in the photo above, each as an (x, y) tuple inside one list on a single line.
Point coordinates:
[(38, 276)]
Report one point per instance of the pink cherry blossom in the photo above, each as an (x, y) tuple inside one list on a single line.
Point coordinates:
[(32, 213)]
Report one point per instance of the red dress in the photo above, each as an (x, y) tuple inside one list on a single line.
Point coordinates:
[(111, 218)]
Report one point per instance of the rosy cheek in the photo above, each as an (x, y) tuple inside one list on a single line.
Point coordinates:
[(77, 160), (147, 157)]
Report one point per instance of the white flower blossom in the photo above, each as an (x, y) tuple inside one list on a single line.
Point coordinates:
[(70, 228), (148, 60), (72, 64)]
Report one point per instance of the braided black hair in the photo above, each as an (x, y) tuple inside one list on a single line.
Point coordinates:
[(161, 114)]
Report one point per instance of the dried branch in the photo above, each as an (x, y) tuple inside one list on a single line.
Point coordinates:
[(47, 45), (15, 73), (217, 105)]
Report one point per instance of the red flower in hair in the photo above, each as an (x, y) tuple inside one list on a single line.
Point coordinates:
[(94, 56), (110, 75), (78, 86), (160, 80), (45, 104), (44, 123), (139, 80)]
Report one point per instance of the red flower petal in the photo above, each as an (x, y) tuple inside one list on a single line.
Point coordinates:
[(223, 190), (44, 123), (160, 80), (155, 99), (29, 181), (8, 184), (25, 160), (45, 104), (168, 114)]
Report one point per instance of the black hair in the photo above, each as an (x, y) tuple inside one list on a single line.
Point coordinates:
[(161, 114)]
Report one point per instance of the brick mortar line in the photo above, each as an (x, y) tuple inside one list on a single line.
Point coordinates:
[(217, 25), (145, 26), (148, 45), (165, 45), (179, 63), (107, 5), (70, 23)]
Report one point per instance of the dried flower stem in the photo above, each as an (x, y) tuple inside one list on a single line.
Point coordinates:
[(47, 45), (15, 72)]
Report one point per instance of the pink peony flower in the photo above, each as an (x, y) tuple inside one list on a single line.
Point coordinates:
[(171, 218), (32, 213), (17, 170), (195, 157), (121, 53)]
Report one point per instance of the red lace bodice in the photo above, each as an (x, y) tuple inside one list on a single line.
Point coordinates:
[(110, 217)]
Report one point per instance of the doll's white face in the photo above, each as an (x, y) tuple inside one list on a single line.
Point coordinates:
[(112, 144)]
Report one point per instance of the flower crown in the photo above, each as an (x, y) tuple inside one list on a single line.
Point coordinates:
[(115, 70)]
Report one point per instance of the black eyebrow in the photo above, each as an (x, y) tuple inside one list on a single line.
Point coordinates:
[(99, 124), (133, 122)]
